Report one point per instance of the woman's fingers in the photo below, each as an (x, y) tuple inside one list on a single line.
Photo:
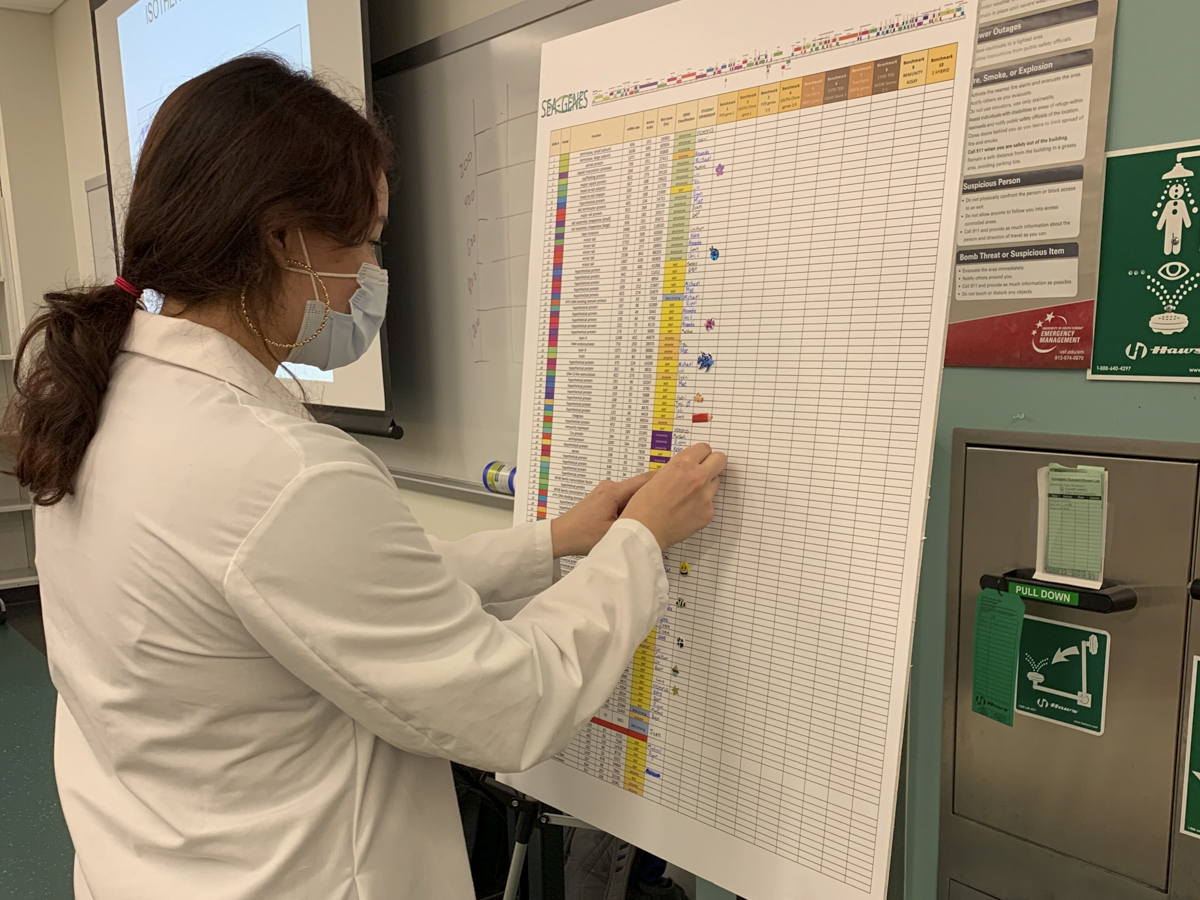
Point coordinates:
[(630, 486), (710, 489), (679, 501), (695, 454), (714, 464)]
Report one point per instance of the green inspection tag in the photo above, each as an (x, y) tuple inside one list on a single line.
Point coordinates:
[(999, 617), (1041, 592)]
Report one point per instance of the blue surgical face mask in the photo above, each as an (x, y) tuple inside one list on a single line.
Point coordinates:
[(344, 337)]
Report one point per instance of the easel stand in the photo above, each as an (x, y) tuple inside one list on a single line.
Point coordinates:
[(536, 825)]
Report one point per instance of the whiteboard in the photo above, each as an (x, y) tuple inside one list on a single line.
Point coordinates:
[(743, 236), (463, 114)]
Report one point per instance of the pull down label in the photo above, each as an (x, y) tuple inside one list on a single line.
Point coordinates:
[(1043, 593)]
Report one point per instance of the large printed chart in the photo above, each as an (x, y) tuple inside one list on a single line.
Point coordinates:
[(751, 249)]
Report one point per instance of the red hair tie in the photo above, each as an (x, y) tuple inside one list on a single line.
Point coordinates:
[(126, 287)]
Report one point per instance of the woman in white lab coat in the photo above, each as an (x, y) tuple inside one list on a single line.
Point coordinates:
[(263, 663)]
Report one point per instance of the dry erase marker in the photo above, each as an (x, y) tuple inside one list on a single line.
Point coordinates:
[(500, 478)]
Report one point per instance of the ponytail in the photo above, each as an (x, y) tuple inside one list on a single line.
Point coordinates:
[(60, 383), (245, 151)]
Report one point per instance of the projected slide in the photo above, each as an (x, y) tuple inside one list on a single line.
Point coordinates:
[(164, 45), (147, 48)]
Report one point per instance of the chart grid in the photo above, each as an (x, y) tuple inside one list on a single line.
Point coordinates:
[(755, 269)]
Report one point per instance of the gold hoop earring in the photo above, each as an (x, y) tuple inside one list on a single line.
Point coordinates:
[(324, 292)]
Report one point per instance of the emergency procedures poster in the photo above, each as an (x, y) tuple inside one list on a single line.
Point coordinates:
[(1148, 309), (1033, 183)]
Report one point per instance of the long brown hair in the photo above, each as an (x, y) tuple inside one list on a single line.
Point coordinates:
[(243, 152)]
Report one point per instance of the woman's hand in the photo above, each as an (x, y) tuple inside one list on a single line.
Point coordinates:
[(578, 530), (678, 501)]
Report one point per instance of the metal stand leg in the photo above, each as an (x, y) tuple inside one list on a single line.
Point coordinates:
[(548, 882), (524, 831)]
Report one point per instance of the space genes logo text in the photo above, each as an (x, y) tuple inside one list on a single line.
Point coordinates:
[(564, 104)]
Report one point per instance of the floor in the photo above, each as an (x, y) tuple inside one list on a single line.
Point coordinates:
[(36, 856), (26, 619)]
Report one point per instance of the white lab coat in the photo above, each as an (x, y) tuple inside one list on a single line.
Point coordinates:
[(263, 663)]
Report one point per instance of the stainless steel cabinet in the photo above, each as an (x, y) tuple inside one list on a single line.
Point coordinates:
[(1039, 809)]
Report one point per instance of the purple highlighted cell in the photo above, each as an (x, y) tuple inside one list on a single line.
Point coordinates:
[(660, 440)]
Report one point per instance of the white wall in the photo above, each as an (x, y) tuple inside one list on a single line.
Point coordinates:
[(443, 517), (33, 162), (399, 24), (453, 519), (80, 97)]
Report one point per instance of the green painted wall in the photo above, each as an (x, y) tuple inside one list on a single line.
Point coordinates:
[(1154, 101)]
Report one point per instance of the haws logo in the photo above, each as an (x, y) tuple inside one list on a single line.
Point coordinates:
[(564, 104), (1138, 350)]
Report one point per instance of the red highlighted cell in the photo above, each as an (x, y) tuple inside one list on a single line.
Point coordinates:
[(619, 729)]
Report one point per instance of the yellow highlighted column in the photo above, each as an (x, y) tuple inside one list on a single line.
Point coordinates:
[(670, 318), (641, 695)]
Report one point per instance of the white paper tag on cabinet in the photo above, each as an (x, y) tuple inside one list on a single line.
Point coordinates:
[(1072, 524)]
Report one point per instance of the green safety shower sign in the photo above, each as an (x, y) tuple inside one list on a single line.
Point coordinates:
[(1062, 674), (1190, 825), (1148, 302)]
